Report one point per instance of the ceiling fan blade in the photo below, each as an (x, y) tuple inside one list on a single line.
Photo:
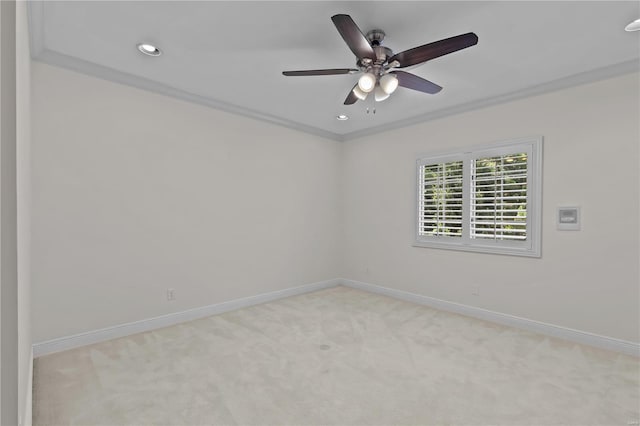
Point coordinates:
[(354, 38), (411, 81), (426, 52), (351, 97), (320, 72)]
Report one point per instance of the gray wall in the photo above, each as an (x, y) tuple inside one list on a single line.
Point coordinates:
[(135, 193), (586, 280)]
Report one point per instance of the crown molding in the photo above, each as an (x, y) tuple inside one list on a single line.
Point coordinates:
[(40, 53), (89, 68), (551, 86)]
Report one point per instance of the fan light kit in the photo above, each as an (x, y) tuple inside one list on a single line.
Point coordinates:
[(634, 26), (359, 93), (379, 94), (378, 63), (389, 83), (149, 49), (367, 82)]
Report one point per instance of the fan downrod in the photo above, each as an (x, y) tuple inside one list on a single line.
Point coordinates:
[(375, 37)]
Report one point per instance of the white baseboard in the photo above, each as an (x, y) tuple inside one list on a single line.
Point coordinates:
[(577, 336), (108, 333), (582, 337)]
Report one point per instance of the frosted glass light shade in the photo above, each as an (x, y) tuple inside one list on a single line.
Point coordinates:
[(389, 83), (359, 93), (380, 94), (367, 82)]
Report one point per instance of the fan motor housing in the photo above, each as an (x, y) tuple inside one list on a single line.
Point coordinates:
[(382, 54), (375, 38)]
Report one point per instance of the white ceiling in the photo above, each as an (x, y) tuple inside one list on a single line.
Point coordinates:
[(230, 55)]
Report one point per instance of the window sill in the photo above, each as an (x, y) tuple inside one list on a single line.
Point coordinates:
[(478, 248)]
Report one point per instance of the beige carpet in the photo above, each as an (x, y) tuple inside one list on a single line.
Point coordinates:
[(341, 357)]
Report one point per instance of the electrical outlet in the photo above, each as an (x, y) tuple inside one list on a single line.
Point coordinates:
[(475, 290), (171, 294)]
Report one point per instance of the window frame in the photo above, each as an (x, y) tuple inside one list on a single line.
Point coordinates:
[(531, 247)]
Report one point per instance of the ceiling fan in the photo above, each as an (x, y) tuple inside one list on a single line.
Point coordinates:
[(379, 63)]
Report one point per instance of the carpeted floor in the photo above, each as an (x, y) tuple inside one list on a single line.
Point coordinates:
[(341, 357)]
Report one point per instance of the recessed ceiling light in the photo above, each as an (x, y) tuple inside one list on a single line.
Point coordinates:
[(634, 26), (149, 49), (342, 117)]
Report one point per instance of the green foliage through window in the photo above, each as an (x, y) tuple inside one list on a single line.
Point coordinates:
[(499, 197), (441, 199), (482, 199)]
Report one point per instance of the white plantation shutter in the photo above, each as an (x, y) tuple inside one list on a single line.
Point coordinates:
[(499, 197), (486, 199), (441, 199)]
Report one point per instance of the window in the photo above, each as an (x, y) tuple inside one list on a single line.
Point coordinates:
[(484, 199)]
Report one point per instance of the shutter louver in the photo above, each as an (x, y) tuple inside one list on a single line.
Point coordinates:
[(499, 197), (440, 209)]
